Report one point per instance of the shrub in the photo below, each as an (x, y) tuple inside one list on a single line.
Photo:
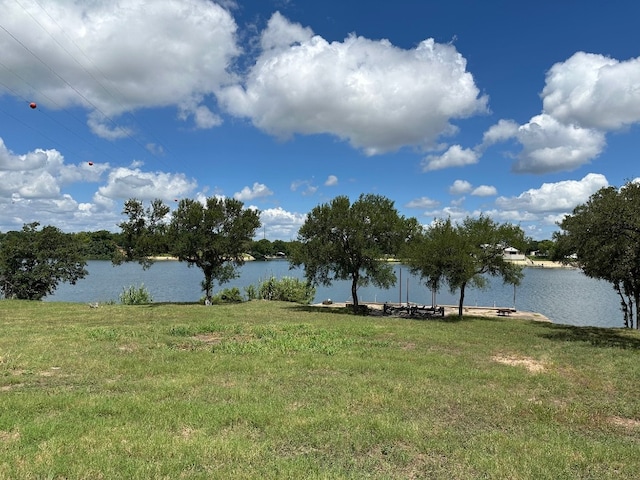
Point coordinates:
[(287, 289), (228, 295), (135, 295), (251, 292)]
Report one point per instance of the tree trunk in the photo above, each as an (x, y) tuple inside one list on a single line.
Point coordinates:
[(354, 292), (461, 302), (207, 284), (636, 299)]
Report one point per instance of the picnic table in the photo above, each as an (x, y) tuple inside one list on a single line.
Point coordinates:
[(413, 310)]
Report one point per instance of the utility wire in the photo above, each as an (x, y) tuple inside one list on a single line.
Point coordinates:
[(93, 64)]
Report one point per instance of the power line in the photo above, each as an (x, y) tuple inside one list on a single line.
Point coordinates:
[(62, 30), (113, 123)]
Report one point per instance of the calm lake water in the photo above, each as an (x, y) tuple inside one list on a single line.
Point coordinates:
[(565, 296)]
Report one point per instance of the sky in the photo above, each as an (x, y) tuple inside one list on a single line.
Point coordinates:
[(451, 108)]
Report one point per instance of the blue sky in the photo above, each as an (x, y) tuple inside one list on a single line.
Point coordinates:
[(516, 110)]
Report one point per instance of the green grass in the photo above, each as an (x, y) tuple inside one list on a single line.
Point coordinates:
[(274, 390)]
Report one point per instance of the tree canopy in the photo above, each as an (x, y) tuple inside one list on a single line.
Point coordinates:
[(341, 240), (33, 262), (212, 236), (143, 234), (603, 237), (461, 255)]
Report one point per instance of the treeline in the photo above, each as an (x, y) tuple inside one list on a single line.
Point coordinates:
[(104, 245)]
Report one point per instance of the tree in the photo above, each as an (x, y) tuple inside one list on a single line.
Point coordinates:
[(33, 262), (214, 236), (603, 237), (262, 249), (144, 233), (461, 255), (344, 241)]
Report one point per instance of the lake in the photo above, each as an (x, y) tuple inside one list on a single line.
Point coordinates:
[(565, 296)]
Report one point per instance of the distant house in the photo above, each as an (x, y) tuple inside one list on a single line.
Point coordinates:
[(510, 253)]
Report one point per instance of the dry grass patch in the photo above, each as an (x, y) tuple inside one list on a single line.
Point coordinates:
[(626, 423), (532, 365), (6, 437)]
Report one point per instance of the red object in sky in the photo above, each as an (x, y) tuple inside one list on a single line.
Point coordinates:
[(33, 105)]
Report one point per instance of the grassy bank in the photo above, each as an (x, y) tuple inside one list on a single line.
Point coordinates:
[(273, 390)]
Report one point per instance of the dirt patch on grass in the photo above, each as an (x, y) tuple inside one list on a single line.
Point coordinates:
[(626, 423), (6, 437), (532, 365)]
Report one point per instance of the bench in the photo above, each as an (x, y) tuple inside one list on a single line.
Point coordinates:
[(505, 312)]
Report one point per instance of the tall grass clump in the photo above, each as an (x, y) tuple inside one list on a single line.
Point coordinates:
[(136, 295), (286, 289), (228, 295)]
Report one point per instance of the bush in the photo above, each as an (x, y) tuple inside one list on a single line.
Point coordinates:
[(287, 289), (228, 295), (135, 295), (251, 292)]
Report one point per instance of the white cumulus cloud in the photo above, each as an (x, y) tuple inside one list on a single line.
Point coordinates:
[(562, 196), (280, 223), (460, 187), (331, 181), (455, 156), (423, 202), (156, 54), (484, 191), (124, 183), (374, 95), (258, 190), (594, 91), (584, 98)]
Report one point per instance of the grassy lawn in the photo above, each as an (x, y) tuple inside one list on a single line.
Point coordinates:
[(274, 390)]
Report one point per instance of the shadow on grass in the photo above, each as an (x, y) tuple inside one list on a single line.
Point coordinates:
[(598, 337), (378, 314), (329, 310), (161, 304)]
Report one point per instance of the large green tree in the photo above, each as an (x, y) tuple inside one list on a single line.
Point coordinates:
[(143, 234), (464, 254), (603, 237), (341, 240), (33, 262), (213, 236)]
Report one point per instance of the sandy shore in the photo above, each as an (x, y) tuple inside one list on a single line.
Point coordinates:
[(452, 310), (540, 263)]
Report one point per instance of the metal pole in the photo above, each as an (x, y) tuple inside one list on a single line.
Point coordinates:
[(400, 286), (407, 291)]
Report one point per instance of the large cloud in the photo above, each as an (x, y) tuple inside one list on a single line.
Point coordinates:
[(594, 91), (371, 93), (112, 59), (562, 196), (40, 173), (551, 146), (126, 183), (281, 224), (584, 97), (455, 156)]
